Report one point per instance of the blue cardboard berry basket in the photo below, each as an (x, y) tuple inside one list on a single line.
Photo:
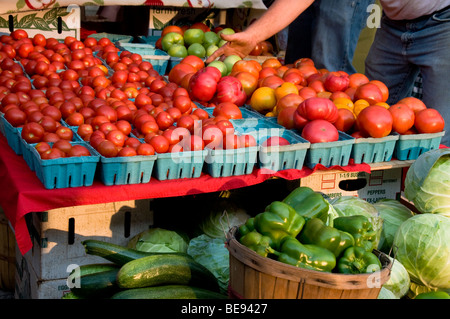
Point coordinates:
[(158, 58), (280, 157), (330, 153), (124, 170), (112, 37), (231, 162), (67, 171), (410, 147), (187, 164), (373, 150), (12, 134)]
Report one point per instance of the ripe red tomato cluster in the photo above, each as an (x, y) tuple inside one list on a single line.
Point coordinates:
[(61, 149), (114, 102), (319, 88)]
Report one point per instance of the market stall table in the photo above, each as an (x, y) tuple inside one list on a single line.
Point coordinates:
[(23, 192)]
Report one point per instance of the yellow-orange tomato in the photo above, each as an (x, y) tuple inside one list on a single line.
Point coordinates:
[(285, 89), (263, 99)]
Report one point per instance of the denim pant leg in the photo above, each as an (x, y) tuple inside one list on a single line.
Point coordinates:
[(403, 49), (336, 32)]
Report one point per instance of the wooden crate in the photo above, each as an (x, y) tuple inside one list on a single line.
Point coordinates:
[(255, 277), (7, 254)]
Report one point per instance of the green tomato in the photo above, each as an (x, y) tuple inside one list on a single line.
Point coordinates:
[(178, 51), (211, 49), (170, 39), (193, 36), (211, 38), (230, 61), (219, 65), (222, 43), (226, 31), (196, 49)]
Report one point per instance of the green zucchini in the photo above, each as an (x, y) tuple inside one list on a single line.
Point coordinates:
[(95, 268), (163, 270), (117, 254), (97, 285), (168, 292)]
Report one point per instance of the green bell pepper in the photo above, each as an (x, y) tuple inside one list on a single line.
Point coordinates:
[(313, 257), (247, 227), (360, 228), (258, 243), (357, 260), (278, 221), (308, 203), (317, 233), (433, 295)]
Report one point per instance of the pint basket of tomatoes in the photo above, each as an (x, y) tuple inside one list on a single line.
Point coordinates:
[(56, 168)]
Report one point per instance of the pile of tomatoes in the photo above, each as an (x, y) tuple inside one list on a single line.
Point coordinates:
[(114, 100), (296, 94)]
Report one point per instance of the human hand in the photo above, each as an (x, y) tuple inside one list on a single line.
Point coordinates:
[(240, 44)]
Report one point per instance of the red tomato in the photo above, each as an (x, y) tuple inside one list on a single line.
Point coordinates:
[(159, 143), (203, 84), (414, 103), (213, 136), (127, 151), (107, 148), (64, 133), (32, 132), (164, 120), (78, 150), (52, 153), (63, 145), (275, 141), (15, 116), (41, 147), (320, 131), (231, 141), (403, 117), (177, 73), (336, 81), (374, 121), (318, 108), (285, 117), (345, 121), (117, 137), (228, 109), (247, 140), (196, 143), (195, 61), (145, 149), (369, 92), (429, 121)]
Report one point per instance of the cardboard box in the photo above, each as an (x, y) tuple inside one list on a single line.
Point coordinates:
[(370, 187), (55, 23), (28, 285), (7, 253), (57, 234), (163, 16)]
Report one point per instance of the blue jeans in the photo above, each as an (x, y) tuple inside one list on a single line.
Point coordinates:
[(402, 49), (335, 28)]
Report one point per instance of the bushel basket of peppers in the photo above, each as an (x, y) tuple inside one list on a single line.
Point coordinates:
[(334, 253)]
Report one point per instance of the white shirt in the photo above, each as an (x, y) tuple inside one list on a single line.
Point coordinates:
[(411, 9)]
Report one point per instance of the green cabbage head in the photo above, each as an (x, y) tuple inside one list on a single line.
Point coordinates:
[(394, 214), (423, 248), (427, 182)]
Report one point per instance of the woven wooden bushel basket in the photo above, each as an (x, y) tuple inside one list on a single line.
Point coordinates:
[(255, 277)]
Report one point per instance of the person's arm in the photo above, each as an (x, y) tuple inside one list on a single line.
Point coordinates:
[(279, 15)]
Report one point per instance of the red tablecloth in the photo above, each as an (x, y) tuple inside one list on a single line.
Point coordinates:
[(22, 192)]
